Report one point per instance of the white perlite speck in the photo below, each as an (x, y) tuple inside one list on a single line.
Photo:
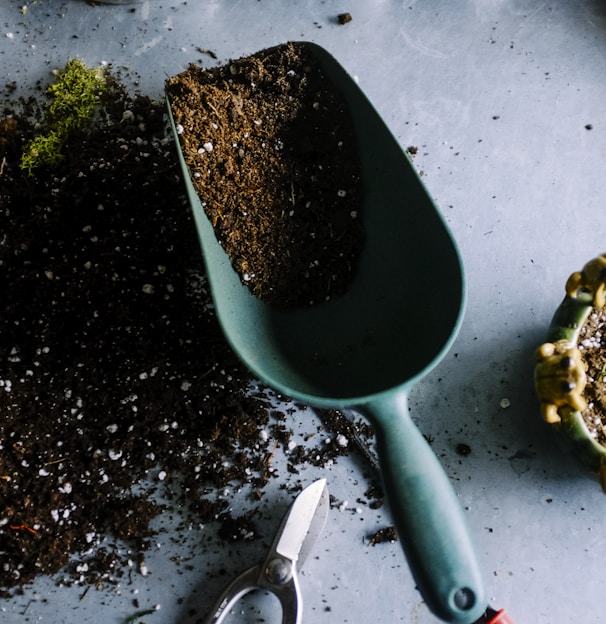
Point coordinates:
[(342, 441)]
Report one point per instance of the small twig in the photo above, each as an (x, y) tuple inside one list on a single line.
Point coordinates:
[(55, 461), (210, 105), (209, 52), (24, 527), (271, 455)]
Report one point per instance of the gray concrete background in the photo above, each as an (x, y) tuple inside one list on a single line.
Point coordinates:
[(496, 96)]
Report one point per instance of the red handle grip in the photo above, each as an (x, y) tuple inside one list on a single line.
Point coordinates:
[(500, 618)]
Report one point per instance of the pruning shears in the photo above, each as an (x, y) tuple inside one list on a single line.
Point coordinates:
[(278, 573)]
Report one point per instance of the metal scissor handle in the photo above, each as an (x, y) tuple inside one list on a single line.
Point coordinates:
[(278, 573), (284, 584)]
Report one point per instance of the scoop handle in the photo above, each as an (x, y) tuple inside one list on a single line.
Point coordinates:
[(428, 517)]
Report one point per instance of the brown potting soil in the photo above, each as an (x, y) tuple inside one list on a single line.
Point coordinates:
[(272, 154), (115, 380), (592, 342)]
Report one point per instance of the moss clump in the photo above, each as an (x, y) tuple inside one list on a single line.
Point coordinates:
[(74, 98)]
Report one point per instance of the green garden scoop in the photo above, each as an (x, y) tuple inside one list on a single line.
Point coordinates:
[(366, 349)]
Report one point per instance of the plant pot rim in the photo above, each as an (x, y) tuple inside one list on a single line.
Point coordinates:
[(566, 325)]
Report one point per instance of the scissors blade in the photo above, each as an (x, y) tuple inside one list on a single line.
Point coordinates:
[(303, 523)]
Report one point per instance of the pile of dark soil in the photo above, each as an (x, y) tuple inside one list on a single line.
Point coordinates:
[(591, 343), (272, 153), (115, 380)]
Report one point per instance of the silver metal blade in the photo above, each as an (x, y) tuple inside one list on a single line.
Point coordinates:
[(304, 523)]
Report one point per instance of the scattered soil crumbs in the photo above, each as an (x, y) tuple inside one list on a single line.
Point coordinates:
[(592, 347), (388, 534), (463, 449), (272, 153), (117, 388)]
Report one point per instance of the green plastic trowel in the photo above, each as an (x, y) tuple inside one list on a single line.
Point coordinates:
[(366, 349)]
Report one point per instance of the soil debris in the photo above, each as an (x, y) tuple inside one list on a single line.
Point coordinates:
[(117, 388), (272, 154), (592, 346), (387, 534)]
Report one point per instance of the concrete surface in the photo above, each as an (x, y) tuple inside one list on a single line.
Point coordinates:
[(498, 97)]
